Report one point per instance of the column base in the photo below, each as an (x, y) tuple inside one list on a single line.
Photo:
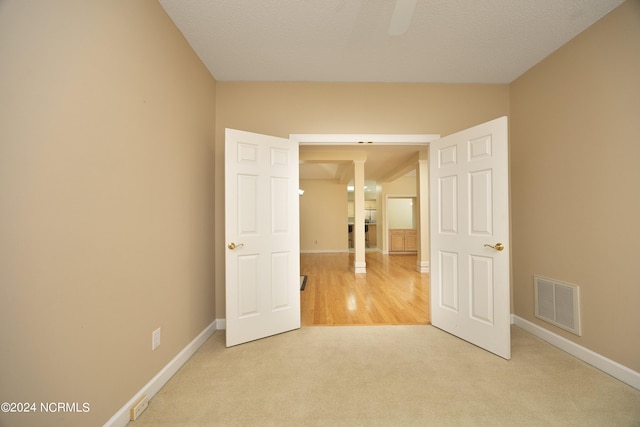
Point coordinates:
[(422, 266)]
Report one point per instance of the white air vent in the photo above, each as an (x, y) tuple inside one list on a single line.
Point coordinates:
[(558, 303)]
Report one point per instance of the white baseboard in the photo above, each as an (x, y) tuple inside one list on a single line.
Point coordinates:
[(121, 418), (616, 370), (423, 266)]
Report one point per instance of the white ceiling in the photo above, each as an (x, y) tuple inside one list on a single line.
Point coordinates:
[(448, 41)]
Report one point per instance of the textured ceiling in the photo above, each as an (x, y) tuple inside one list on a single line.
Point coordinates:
[(448, 41)]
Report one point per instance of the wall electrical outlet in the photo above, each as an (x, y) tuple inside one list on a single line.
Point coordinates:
[(155, 339), (138, 408)]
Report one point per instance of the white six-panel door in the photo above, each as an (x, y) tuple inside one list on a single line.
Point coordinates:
[(262, 236), (470, 295)]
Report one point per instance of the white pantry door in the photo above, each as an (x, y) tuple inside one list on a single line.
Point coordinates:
[(470, 295), (262, 236)]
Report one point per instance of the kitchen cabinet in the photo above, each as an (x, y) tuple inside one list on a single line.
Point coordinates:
[(403, 240)]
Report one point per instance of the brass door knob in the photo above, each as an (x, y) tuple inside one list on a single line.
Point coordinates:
[(497, 247), (233, 246)]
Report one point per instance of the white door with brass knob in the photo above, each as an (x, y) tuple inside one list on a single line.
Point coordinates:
[(262, 267), (469, 229)]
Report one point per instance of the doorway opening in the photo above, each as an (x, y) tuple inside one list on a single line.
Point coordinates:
[(330, 158), (326, 166)]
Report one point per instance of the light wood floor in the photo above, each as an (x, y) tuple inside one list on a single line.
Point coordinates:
[(392, 292)]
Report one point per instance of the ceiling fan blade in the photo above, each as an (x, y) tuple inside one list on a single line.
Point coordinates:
[(401, 17)]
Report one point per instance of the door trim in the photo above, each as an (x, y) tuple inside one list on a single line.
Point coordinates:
[(356, 139)]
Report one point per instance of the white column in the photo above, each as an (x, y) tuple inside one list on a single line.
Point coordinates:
[(358, 226), (422, 187)]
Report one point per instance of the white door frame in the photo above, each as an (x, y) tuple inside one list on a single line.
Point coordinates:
[(355, 139)]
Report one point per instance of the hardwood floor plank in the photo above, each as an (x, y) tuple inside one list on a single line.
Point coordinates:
[(392, 292)]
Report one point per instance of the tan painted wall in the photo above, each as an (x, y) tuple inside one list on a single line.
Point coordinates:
[(107, 207), (575, 121), (323, 216), (106, 202), (282, 108), (400, 213)]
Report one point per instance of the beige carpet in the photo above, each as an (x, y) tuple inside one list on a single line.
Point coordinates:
[(388, 376)]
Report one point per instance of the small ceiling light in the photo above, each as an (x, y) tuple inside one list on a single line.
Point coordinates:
[(300, 191)]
